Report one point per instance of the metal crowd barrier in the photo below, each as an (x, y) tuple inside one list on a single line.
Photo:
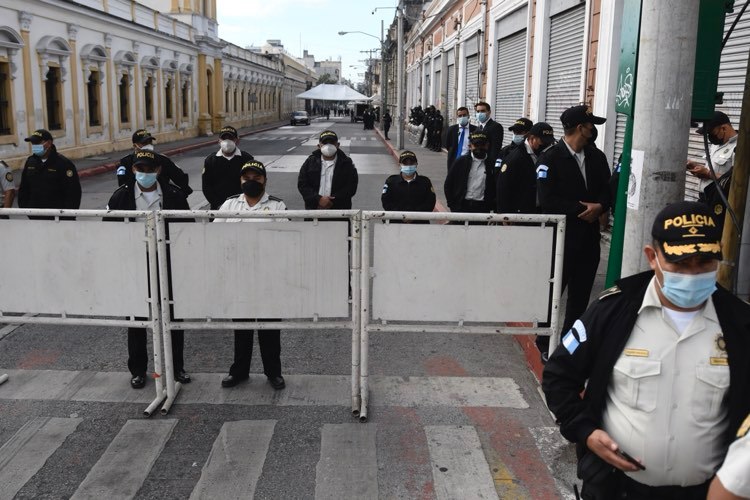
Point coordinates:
[(86, 272), (490, 274)]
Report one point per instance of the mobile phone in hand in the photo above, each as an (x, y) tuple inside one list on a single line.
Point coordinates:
[(630, 459)]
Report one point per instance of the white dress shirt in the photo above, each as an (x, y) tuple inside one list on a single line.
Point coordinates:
[(475, 183), (148, 200), (580, 159), (326, 176)]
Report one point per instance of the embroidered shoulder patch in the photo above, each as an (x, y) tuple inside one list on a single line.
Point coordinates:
[(609, 292)]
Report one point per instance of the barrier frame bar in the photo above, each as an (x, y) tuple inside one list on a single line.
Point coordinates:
[(154, 322), (168, 324), (367, 325)]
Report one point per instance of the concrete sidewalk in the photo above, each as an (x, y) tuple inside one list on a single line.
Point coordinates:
[(95, 165)]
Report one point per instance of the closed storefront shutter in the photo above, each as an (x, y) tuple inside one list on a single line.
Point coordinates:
[(620, 122), (451, 96), (427, 86), (471, 96), (564, 70), (731, 81), (509, 84), (437, 83)]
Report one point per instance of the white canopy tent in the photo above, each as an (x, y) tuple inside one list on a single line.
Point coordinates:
[(333, 92)]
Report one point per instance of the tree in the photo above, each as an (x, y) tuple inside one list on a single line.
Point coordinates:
[(326, 78)]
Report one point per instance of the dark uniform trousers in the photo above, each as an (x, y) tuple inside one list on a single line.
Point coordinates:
[(138, 353), (619, 486), (270, 352)]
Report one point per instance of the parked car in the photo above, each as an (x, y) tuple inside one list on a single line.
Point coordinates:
[(300, 117)]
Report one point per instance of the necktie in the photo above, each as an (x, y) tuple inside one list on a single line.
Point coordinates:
[(461, 142), (481, 128)]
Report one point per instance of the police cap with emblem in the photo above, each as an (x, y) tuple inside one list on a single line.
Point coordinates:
[(685, 229), (142, 136), (544, 132), (228, 132), (328, 137), (145, 158), (407, 156), (577, 115), (478, 138), (39, 136), (521, 125), (254, 166), (719, 118)]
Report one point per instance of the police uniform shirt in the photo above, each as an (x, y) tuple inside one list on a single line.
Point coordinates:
[(666, 400), (580, 159), (722, 159), (326, 176), (148, 200), (238, 203), (476, 180), (6, 182), (735, 472)]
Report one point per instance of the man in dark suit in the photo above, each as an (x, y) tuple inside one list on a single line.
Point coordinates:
[(490, 128), (328, 178), (516, 181), (573, 180), (470, 183), (457, 137)]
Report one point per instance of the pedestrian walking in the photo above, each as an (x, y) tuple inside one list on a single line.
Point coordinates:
[(221, 170), (660, 360), (408, 191), (253, 182)]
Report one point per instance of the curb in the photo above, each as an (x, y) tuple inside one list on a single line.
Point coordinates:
[(109, 167), (388, 145)]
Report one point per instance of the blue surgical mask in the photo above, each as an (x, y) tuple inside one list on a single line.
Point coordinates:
[(146, 180), (482, 117), (687, 290), (463, 121), (517, 139), (408, 169), (37, 149)]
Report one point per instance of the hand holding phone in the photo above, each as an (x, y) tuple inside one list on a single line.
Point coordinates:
[(630, 459)]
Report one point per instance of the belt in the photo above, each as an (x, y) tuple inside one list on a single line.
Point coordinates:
[(637, 490), (473, 203)]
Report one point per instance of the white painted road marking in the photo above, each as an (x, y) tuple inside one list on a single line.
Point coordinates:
[(348, 466), (301, 390), (236, 461), (459, 467), (28, 450), (128, 459)]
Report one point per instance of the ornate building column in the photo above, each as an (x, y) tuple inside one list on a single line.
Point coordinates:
[(25, 22)]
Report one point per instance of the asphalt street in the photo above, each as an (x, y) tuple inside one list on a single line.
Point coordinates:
[(451, 416)]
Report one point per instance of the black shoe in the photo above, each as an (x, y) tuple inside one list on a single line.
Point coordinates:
[(544, 357), (231, 380), (277, 382), (138, 382), (182, 377)]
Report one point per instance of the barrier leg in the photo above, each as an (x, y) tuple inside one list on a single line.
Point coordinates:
[(3, 378), (155, 316), (356, 271), (554, 339), (173, 388), (363, 377), (364, 318)]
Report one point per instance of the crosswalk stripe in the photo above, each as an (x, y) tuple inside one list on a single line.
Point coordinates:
[(459, 468), (126, 462), (348, 466), (236, 461), (28, 450)]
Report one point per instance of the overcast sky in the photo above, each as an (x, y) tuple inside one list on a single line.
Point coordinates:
[(308, 24)]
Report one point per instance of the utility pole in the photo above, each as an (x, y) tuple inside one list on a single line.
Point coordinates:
[(383, 76), (400, 112), (662, 118)]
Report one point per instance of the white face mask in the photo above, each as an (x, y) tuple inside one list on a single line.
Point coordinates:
[(328, 150), (227, 146), (147, 147)]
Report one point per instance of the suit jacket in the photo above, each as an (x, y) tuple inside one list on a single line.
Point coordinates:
[(494, 131), (516, 183), (457, 180), (451, 141), (343, 184)]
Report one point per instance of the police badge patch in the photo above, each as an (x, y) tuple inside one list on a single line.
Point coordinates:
[(69, 173), (9, 177)]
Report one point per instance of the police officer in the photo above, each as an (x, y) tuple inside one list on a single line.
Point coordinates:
[(732, 481), (144, 141), (437, 131), (48, 180), (723, 139), (520, 129), (516, 181), (661, 361), (7, 186), (387, 120), (254, 197), (328, 179), (470, 183), (149, 191), (573, 180), (221, 170), (407, 191)]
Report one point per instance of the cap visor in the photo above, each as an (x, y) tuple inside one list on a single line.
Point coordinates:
[(699, 131), (598, 120)]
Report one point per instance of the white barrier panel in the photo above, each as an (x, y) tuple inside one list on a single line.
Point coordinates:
[(82, 267), (278, 269), (475, 274)]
